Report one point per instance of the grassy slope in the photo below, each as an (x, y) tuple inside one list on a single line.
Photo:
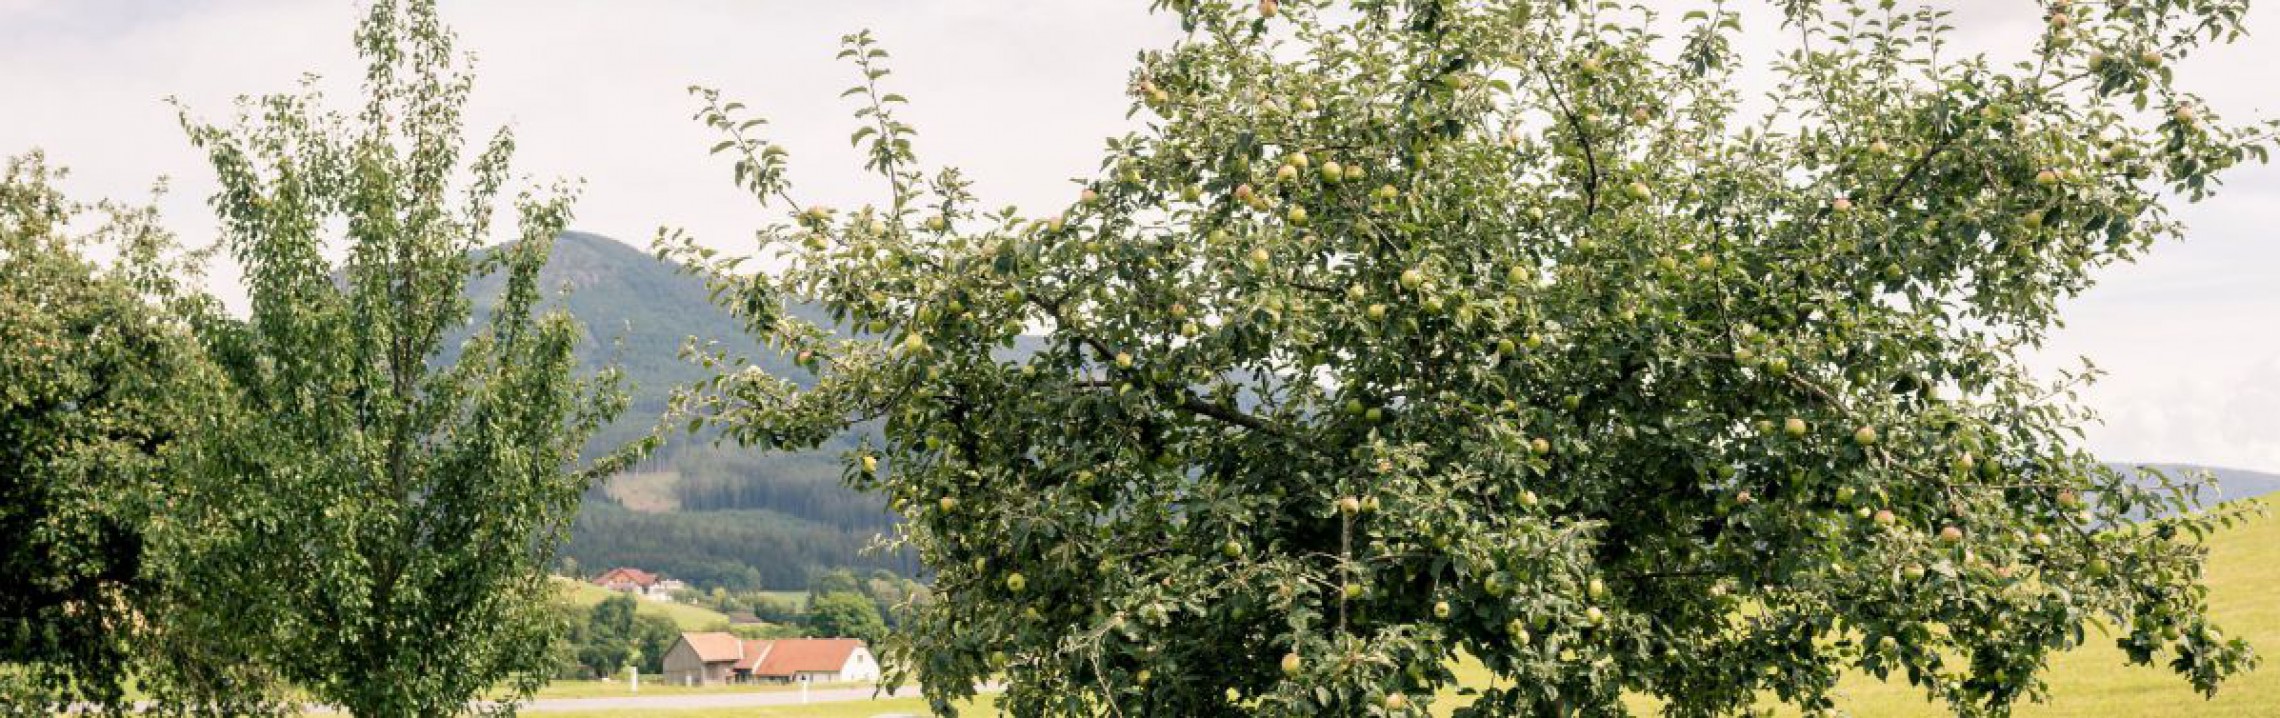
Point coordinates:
[(2244, 573), (689, 618)]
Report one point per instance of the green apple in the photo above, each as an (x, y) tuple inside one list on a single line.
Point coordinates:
[(1594, 616), (1411, 278), (1332, 172), (1865, 436), (1795, 427), (1015, 583), (1353, 591), (1296, 215), (1286, 173), (1596, 589), (1292, 664), (1441, 609), (1377, 311), (1349, 506), (1880, 147), (2046, 178), (1259, 258), (1527, 498), (1912, 572), (1395, 702), (1233, 549), (1951, 535), (870, 464), (1540, 447), (1844, 494), (1123, 360), (1297, 159), (948, 504)]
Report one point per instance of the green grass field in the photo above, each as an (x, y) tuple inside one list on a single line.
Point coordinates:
[(689, 618), (796, 598)]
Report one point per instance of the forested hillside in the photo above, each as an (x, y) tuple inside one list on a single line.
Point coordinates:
[(707, 514)]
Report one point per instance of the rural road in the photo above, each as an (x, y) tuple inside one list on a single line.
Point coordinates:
[(716, 700), (713, 700)]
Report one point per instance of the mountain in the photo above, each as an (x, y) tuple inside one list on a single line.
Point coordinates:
[(708, 514), (2231, 484)]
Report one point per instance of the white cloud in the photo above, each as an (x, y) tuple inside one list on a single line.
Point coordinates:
[(1019, 93)]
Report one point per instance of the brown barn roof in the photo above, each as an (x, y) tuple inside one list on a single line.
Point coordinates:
[(753, 652), (634, 576), (795, 655), (715, 647)]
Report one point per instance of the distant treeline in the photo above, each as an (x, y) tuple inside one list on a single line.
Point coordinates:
[(806, 485), (733, 549)]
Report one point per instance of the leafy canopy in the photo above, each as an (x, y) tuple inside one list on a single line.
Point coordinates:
[(1399, 331), (104, 395), (404, 507)]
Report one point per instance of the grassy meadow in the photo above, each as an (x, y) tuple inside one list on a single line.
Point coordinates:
[(689, 618)]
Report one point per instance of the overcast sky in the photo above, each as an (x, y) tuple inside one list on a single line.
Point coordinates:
[(1019, 93)]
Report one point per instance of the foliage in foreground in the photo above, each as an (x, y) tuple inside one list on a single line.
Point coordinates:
[(401, 509), (103, 397), (1400, 329)]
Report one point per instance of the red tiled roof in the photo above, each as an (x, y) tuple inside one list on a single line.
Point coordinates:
[(633, 576), (800, 655), (753, 652), (715, 647)]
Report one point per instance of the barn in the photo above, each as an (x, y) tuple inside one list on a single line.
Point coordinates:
[(712, 658)]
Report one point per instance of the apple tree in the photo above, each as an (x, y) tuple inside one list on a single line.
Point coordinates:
[(1557, 334)]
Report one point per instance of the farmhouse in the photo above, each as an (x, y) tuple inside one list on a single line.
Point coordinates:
[(706, 658), (639, 582)]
